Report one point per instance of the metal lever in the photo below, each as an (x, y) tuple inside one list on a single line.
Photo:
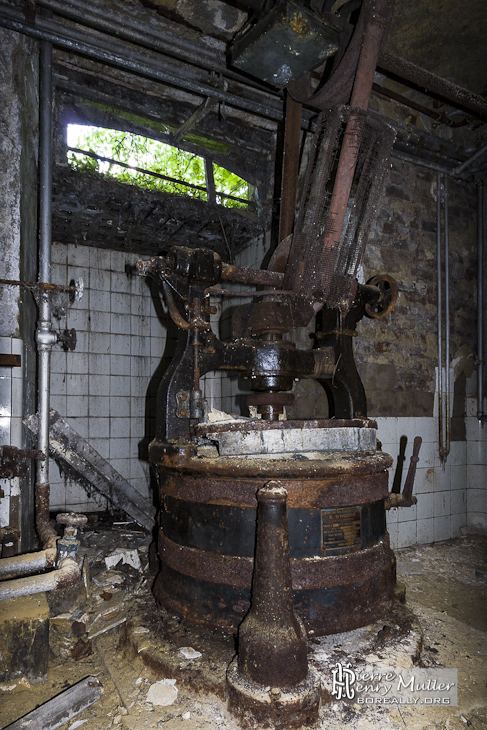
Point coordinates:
[(406, 499)]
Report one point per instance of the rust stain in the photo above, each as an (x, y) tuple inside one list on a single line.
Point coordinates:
[(300, 25)]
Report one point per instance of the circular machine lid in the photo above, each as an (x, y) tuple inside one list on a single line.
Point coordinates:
[(255, 436)]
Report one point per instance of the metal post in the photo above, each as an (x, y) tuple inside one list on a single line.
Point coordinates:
[(440, 311), (446, 448)]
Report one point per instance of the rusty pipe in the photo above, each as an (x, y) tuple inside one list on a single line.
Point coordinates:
[(172, 308), (259, 277), (27, 563), (67, 575), (452, 93)]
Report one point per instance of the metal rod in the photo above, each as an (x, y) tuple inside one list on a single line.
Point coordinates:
[(480, 302), (446, 449), (439, 117), (142, 170), (151, 173), (172, 307), (480, 153), (397, 154), (196, 117), (258, 277), (452, 93), (290, 169), (210, 180), (145, 29), (45, 337), (42, 285), (117, 54)]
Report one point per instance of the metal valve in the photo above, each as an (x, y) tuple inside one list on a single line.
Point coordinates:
[(389, 291), (68, 544), (67, 338)]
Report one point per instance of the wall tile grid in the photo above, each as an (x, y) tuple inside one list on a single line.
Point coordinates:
[(452, 495), (11, 399), (101, 388)]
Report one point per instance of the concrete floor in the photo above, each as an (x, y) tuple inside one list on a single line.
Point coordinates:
[(446, 590)]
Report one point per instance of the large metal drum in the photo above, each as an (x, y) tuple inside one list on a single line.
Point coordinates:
[(343, 569)]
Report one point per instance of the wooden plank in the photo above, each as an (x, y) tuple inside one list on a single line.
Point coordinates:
[(60, 709), (10, 361)]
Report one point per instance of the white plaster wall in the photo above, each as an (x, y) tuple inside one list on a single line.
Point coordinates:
[(11, 399)]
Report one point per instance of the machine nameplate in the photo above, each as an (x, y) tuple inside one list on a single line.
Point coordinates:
[(341, 530)]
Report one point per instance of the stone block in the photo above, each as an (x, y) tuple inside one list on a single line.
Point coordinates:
[(24, 638)]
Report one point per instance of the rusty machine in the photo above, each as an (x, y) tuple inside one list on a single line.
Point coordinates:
[(328, 473)]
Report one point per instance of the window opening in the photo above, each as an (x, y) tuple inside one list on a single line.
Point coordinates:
[(154, 165)]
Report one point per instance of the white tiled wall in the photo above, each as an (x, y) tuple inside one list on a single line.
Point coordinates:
[(101, 387), (11, 398), (452, 494)]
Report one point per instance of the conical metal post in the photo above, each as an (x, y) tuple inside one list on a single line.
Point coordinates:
[(272, 639), (270, 679)]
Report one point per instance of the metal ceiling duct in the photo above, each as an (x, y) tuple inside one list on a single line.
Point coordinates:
[(286, 43)]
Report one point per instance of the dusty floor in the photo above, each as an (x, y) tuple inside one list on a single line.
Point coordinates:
[(446, 591)]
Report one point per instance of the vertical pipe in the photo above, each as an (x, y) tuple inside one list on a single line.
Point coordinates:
[(440, 311), (446, 448), (480, 301), (44, 334)]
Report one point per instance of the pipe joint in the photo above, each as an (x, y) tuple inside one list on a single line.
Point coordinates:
[(45, 336)]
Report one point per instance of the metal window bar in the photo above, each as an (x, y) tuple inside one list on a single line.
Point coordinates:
[(102, 158)]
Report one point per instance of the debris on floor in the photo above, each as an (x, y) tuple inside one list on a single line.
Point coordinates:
[(163, 693), (159, 673)]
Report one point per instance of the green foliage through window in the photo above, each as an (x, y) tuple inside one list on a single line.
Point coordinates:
[(153, 165)]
